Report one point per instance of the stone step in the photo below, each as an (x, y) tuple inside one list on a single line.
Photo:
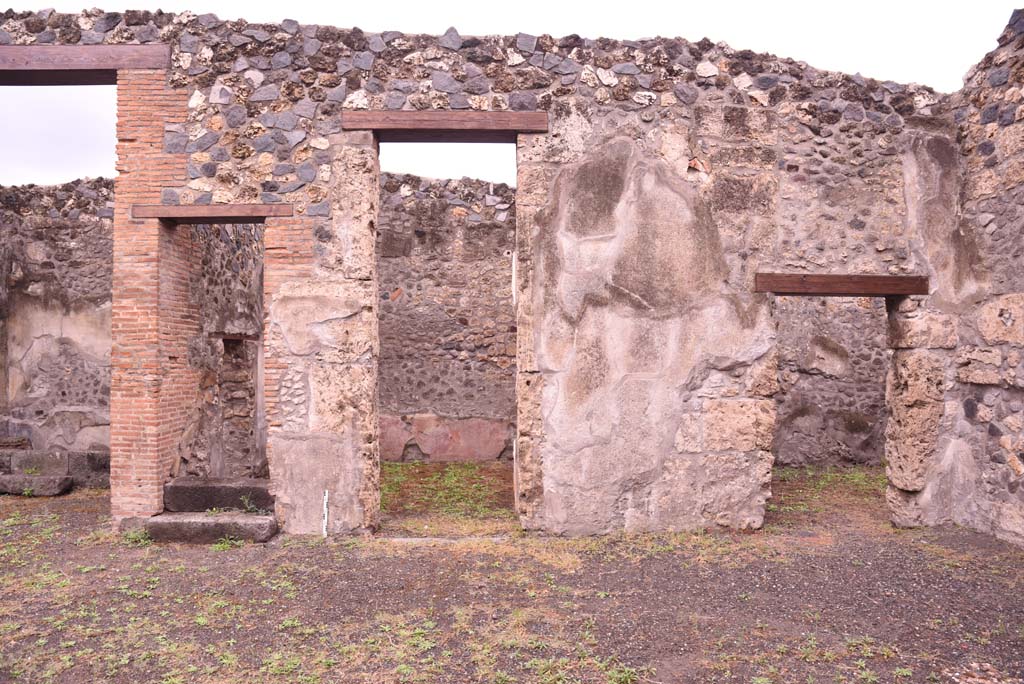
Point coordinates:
[(198, 494), (35, 485), (206, 528)]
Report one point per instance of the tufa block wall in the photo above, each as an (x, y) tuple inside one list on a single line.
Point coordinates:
[(955, 441)]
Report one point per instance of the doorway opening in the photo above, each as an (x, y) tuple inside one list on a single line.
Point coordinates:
[(829, 444), (56, 217), (219, 460), (447, 329)]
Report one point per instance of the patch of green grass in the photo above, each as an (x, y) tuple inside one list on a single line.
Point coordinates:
[(290, 623), (227, 543), (623, 675), (551, 670), (136, 539), (866, 481), (392, 477), (249, 507), (280, 664), (462, 490)]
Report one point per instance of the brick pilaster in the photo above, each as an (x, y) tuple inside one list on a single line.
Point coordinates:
[(145, 355)]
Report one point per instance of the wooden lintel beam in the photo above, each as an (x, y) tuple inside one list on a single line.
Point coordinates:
[(445, 125), (840, 285), (77, 64), (211, 213)]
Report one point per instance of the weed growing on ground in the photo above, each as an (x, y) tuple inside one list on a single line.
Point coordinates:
[(136, 539), (227, 543)]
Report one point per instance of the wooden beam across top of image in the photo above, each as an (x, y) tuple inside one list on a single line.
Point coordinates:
[(77, 64), (445, 125), (211, 213), (840, 285)]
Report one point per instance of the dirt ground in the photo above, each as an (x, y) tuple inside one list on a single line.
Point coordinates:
[(826, 592)]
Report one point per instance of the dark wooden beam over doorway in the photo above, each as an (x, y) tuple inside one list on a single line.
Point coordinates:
[(211, 213), (840, 285), (445, 125), (77, 64)]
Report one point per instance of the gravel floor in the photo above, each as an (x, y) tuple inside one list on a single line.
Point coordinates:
[(827, 592)]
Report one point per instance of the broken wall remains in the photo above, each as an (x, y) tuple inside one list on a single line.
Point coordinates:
[(224, 437), (673, 171), (55, 298), (833, 361)]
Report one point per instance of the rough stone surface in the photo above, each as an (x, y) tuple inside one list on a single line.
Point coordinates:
[(206, 528), (637, 333), (966, 464), (222, 438), (833, 360), (673, 171), (55, 299), (446, 321), (192, 494), (35, 485), (915, 390)]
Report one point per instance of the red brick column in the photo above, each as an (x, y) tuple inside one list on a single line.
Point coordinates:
[(145, 344)]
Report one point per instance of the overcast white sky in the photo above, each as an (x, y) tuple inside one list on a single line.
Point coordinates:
[(51, 135)]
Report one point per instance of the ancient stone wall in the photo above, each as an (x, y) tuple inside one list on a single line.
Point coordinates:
[(955, 447), (55, 298), (833, 360), (673, 171), (446, 321)]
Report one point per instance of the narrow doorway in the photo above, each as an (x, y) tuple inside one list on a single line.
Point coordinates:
[(446, 385), (829, 444), (56, 218)]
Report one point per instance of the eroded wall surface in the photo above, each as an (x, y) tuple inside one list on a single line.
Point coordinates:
[(55, 301), (653, 367), (955, 446), (55, 298), (646, 368), (446, 321), (833, 360)]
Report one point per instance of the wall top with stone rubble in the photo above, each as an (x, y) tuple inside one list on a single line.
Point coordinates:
[(392, 70), (87, 197)]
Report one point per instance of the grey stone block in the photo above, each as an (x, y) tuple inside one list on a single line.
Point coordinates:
[(196, 494), (203, 528), (39, 463), (35, 485), (89, 468)]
